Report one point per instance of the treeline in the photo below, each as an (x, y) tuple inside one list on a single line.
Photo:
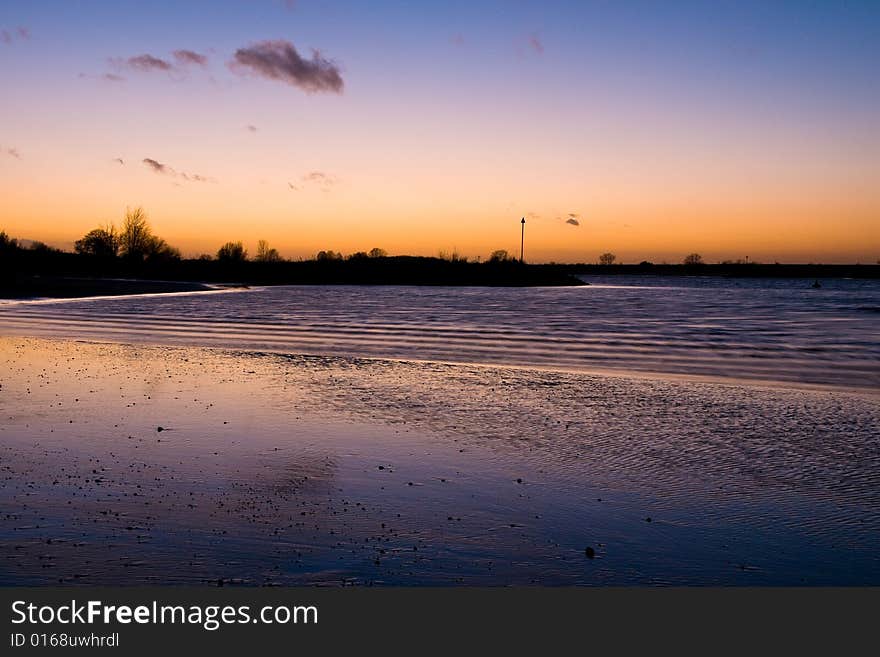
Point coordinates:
[(134, 251)]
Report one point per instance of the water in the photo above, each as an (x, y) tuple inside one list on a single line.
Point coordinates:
[(760, 330), (689, 431)]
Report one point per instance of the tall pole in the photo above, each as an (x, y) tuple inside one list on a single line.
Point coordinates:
[(522, 241)]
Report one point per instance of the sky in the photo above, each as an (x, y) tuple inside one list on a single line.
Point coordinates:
[(647, 129)]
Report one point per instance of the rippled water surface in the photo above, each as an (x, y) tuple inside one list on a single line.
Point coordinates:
[(686, 431), (751, 329)]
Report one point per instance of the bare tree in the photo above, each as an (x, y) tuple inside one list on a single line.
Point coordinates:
[(607, 259), (136, 238), (378, 253), (501, 255), (266, 254), (693, 259)]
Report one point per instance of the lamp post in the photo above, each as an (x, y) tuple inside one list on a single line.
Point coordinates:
[(522, 241)]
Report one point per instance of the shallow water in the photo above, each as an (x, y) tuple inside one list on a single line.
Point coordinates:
[(689, 431), (274, 469), (765, 330)]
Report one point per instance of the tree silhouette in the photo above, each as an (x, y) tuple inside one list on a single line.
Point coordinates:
[(607, 259), (135, 236), (7, 243), (693, 259), (232, 252), (378, 253), (99, 243), (266, 254)]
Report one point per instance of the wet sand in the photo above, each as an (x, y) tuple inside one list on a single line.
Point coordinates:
[(277, 470)]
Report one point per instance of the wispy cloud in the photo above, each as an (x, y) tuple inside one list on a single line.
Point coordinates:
[(12, 152), (279, 60), (251, 128), (457, 40), (320, 179), (324, 180), (177, 64), (166, 170), (187, 57), (120, 161), (20, 33), (573, 221), (536, 44), (145, 63)]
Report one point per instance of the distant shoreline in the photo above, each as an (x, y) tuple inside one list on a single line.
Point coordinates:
[(731, 270), (183, 276)]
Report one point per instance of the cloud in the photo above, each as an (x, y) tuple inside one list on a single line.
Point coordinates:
[(325, 181), (186, 57), (12, 152), (320, 178), (279, 60), (573, 221), (112, 77), (194, 177), (147, 63), (457, 40), (251, 128), (20, 33), (166, 170), (158, 167), (119, 160), (536, 44)]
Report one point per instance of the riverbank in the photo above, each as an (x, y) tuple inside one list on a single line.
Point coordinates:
[(59, 287)]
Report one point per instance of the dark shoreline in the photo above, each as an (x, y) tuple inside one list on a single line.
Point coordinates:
[(80, 278), (56, 287)]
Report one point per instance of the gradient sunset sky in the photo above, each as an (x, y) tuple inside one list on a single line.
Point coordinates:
[(649, 129)]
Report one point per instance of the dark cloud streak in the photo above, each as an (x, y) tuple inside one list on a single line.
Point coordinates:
[(158, 167), (166, 170), (279, 60)]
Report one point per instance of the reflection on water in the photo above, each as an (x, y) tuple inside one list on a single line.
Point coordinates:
[(780, 331), (284, 469)]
